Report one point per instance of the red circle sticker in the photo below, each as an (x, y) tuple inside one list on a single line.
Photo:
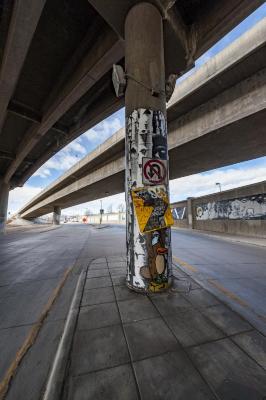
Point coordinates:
[(154, 171)]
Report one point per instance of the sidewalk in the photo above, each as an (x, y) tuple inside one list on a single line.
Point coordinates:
[(38, 228), (184, 344), (226, 236)]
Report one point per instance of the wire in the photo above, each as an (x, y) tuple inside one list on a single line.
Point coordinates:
[(150, 89)]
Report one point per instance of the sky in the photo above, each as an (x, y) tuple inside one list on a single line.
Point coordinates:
[(191, 186)]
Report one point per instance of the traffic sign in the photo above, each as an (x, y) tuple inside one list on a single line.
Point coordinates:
[(152, 208), (154, 171)]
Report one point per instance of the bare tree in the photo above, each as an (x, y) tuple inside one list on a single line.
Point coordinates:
[(121, 207), (110, 208), (87, 212)]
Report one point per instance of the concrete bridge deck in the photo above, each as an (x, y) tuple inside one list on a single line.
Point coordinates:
[(215, 118), (56, 63), (207, 346)]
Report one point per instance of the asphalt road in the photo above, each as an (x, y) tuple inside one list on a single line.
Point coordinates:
[(234, 272), (32, 266)]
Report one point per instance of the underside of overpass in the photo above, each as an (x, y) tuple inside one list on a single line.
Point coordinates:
[(56, 67), (216, 118)]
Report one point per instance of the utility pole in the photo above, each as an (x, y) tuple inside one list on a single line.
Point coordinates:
[(147, 183)]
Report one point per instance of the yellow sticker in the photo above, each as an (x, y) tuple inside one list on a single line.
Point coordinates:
[(152, 208), (158, 287)]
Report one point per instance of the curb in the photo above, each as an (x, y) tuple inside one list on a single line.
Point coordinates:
[(57, 373), (240, 240), (35, 229)]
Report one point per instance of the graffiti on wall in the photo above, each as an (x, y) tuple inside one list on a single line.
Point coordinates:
[(148, 212), (249, 207), (179, 213)]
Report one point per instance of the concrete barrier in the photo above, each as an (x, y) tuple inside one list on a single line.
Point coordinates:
[(240, 211), (110, 218)]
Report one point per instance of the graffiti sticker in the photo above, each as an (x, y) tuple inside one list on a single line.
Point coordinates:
[(154, 171), (152, 208)]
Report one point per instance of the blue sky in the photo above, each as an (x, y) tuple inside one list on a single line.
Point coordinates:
[(180, 188)]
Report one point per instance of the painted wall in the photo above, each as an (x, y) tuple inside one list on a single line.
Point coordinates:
[(179, 213), (116, 218), (240, 211), (248, 207)]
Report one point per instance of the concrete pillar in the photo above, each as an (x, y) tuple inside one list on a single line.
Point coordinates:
[(56, 215), (4, 191), (190, 213), (147, 185)]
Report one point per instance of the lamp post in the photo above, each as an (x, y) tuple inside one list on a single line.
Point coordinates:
[(219, 185)]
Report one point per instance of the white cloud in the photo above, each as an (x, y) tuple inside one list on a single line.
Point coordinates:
[(75, 146), (74, 151), (42, 173), (20, 196), (103, 130), (201, 184), (94, 206), (63, 160)]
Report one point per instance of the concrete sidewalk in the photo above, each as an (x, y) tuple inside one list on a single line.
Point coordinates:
[(249, 240), (36, 228), (184, 344)]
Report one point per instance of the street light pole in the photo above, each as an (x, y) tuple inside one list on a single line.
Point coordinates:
[(218, 184)]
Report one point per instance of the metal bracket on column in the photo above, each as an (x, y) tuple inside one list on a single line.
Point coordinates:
[(119, 80)]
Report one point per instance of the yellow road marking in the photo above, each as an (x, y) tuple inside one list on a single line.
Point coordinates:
[(30, 339), (185, 264), (228, 293), (220, 287), (234, 297)]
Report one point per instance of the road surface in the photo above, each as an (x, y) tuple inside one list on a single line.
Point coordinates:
[(33, 267)]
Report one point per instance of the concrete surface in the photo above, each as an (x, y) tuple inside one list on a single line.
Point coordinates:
[(31, 266), (184, 344), (57, 61), (233, 271), (127, 345), (236, 212), (249, 240), (10, 228)]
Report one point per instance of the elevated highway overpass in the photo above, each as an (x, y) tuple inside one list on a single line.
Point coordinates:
[(216, 117), (56, 61)]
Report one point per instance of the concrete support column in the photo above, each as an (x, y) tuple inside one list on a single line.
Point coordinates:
[(4, 192), (190, 213), (56, 215), (147, 185)]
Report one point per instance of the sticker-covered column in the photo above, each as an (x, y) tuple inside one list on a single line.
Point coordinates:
[(147, 184)]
